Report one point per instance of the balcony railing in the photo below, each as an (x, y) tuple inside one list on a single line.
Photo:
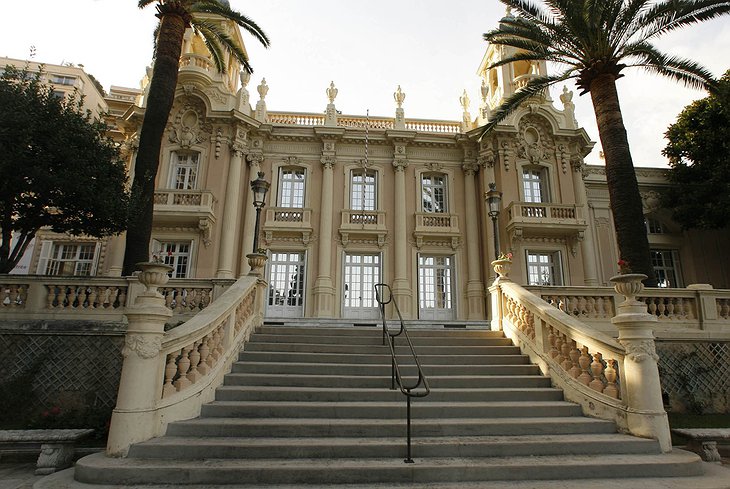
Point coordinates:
[(429, 222), (288, 217), (356, 219), (190, 60), (356, 121), (184, 205)]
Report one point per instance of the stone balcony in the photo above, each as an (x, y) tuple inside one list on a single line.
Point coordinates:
[(545, 219), (436, 227), (282, 222), (184, 207), (363, 226)]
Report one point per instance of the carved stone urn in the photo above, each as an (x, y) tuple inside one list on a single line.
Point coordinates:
[(502, 267), (629, 285), (152, 276), (257, 261)]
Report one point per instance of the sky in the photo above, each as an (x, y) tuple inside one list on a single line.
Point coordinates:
[(431, 48)]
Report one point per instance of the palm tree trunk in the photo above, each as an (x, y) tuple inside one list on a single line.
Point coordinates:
[(623, 189), (159, 105)]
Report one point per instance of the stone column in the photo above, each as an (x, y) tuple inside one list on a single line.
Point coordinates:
[(646, 416), (229, 225), (587, 247), (324, 291), (249, 220), (474, 285), (140, 387), (115, 254), (401, 285)]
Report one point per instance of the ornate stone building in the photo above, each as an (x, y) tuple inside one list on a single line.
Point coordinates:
[(357, 200)]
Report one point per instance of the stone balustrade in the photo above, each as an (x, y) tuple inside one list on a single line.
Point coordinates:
[(278, 216), (169, 375), (190, 60), (31, 297), (611, 379), (356, 121), (695, 312)]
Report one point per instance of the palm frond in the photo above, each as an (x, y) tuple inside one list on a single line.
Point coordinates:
[(686, 71), (214, 35), (669, 15), (214, 7), (534, 87), (144, 3)]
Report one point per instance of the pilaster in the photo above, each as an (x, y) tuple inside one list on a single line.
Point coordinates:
[(324, 291), (401, 285), (230, 210), (474, 285)]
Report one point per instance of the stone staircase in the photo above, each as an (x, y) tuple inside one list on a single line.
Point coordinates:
[(312, 406)]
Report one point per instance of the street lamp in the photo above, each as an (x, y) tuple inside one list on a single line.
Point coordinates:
[(494, 201), (259, 187)]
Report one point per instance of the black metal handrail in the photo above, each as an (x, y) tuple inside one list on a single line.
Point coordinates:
[(420, 388)]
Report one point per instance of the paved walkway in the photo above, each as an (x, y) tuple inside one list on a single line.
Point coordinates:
[(18, 475)]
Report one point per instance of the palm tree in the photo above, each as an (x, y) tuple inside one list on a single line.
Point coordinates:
[(175, 16), (593, 41)]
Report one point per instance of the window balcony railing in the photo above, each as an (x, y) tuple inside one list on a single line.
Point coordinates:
[(548, 217), (431, 222), (178, 206), (363, 225), (288, 221)]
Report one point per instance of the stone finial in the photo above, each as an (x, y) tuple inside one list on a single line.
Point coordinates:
[(399, 97), (332, 92), (263, 89), (245, 77), (567, 96), (569, 107), (464, 101), (484, 91)]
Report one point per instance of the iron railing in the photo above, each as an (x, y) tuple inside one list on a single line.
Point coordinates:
[(420, 388)]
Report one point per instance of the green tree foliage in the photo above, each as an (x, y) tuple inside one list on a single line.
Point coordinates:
[(699, 158), (593, 42), (175, 16), (57, 167)]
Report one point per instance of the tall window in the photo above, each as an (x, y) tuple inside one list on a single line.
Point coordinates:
[(544, 268), (71, 259), (291, 187), (534, 184), (654, 226), (176, 254), (363, 193), (433, 192), (666, 267), (184, 173)]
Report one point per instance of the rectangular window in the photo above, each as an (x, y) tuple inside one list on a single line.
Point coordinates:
[(534, 184), (544, 268), (291, 187), (666, 268), (654, 226), (176, 254), (184, 172), (363, 190), (71, 259), (63, 80), (433, 193)]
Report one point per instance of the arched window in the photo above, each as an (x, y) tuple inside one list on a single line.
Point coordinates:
[(434, 196)]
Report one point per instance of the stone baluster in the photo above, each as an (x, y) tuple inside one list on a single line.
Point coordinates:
[(610, 373), (170, 371), (143, 368), (194, 357), (574, 357), (597, 372), (585, 364), (552, 338)]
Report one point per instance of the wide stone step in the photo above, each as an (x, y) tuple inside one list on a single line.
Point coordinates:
[(385, 410), (377, 331), (349, 427), (99, 469), (376, 340), (381, 358), (172, 447), (380, 349), (345, 394), (380, 370), (374, 381)]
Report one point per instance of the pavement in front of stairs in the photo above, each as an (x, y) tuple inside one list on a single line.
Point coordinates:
[(21, 475)]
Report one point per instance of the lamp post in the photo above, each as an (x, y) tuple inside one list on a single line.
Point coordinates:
[(494, 201), (259, 187)]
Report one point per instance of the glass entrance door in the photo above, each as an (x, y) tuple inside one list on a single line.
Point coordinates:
[(362, 272), (286, 284), (435, 281)]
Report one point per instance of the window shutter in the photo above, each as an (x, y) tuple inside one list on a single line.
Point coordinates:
[(46, 248), (95, 263)]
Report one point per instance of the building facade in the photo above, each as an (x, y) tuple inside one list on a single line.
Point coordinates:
[(358, 200)]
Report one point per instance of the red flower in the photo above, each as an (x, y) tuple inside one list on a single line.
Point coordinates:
[(55, 410)]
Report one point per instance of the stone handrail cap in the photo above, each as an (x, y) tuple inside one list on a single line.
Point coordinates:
[(700, 286), (44, 435), (704, 433)]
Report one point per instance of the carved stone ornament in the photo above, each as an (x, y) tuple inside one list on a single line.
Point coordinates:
[(400, 164), (531, 147), (487, 159), (650, 200), (640, 350), (328, 162), (434, 166), (363, 163), (399, 96), (464, 101), (144, 345), (331, 92), (189, 126), (263, 89), (255, 159), (470, 167), (291, 160), (484, 91), (206, 230)]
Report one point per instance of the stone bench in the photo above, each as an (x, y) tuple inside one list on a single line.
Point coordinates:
[(56, 446), (703, 441)]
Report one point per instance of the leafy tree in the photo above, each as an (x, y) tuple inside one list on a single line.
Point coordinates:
[(175, 16), (57, 167), (593, 42), (699, 158)]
